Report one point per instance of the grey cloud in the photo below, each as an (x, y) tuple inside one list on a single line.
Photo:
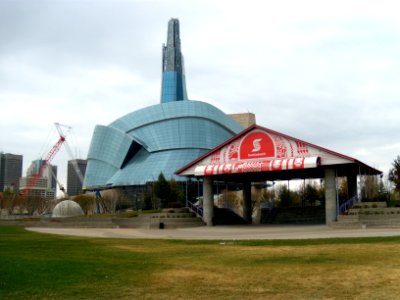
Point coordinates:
[(330, 80)]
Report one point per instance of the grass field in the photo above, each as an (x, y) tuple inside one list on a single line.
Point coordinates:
[(40, 266)]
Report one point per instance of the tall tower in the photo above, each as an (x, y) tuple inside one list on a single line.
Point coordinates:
[(74, 183), (10, 171), (173, 75)]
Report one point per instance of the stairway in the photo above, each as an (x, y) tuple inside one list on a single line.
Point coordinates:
[(369, 214), (168, 218)]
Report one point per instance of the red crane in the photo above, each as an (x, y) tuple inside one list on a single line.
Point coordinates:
[(33, 180)]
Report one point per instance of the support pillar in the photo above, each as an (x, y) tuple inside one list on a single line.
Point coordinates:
[(352, 185), (330, 196), (208, 201), (247, 213)]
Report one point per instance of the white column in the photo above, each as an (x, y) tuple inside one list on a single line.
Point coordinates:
[(208, 201), (330, 196)]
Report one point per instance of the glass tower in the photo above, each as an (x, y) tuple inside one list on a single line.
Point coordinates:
[(134, 149), (173, 75), (74, 183), (10, 171)]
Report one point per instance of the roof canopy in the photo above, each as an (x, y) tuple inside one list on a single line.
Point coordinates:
[(260, 154)]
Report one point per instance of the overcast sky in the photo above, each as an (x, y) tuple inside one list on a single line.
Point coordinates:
[(327, 72)]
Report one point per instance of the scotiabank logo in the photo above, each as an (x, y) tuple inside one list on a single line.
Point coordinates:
[(256, 145)]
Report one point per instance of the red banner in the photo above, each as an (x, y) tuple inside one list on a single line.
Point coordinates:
[(258, 166), (256, 145)]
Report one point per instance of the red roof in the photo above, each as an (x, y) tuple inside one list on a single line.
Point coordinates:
[(257, 127)]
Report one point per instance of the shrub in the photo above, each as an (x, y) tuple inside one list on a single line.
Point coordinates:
[(128, 214), (86, 202)]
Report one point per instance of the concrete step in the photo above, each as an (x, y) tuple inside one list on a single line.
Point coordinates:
[(370, 214), (172, 215), (370, 205), (182, 218), (348, 218), (169, 219), (169, 224), (344, 225)]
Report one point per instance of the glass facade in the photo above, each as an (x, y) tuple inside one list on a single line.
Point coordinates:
[(136, 148), (74, 183), (173, 87), (10, 171)]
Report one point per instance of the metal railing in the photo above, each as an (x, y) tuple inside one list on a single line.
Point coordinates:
[(195, 208), (348, 204)]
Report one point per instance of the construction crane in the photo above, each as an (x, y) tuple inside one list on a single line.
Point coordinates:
[(73, 161), (33, 180), (61, 186)]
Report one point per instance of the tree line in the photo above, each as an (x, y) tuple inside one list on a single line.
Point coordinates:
[(169, 193)]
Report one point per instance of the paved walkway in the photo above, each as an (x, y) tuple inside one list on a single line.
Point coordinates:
[(253, 232)]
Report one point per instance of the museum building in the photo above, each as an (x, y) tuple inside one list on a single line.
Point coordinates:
[(184, 138), (134, 149)]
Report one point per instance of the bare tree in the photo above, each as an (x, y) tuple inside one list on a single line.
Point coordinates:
[(35, 204), (87, 202), (8, 200), (394, 174)]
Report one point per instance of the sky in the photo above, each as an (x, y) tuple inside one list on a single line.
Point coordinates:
[(326, 72)]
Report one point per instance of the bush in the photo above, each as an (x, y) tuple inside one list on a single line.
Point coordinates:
[(86, 202), (285, 197), (168, 192)]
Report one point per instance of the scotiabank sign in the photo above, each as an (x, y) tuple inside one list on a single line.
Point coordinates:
[(258, 151), (256, 145), (258, 166)]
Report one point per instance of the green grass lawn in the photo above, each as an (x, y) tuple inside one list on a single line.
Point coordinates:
[(41, 266)]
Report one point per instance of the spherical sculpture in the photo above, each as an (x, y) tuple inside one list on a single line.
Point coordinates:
[(67, 208)]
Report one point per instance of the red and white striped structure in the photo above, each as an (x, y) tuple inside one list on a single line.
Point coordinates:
[(258, 149)]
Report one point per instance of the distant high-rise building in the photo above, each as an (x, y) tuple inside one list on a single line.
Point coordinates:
[(173, 73), (74, 180), (10, 171), (47, 183)]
